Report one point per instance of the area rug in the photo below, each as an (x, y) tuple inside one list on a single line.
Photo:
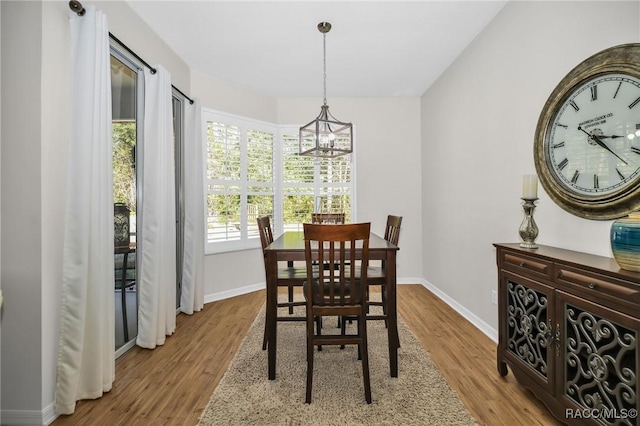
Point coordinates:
[(418, 396)]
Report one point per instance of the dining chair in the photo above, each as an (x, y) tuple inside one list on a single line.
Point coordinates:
[(121, 225), (125, 279), (289, 276), (376, 274), (124, 259), (336, 291), (328, 218)]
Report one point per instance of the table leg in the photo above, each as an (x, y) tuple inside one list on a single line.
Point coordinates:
[(392, 313), (272, 311)]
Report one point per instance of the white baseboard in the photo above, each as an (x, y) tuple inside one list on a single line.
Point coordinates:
[(235, 292), (28, 417), (489, 331)]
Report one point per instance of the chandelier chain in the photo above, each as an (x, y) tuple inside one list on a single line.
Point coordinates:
[(324, 52)]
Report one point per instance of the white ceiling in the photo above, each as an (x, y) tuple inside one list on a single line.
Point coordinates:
[(375, 48)]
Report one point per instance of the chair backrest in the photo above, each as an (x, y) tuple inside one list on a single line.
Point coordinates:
[(266, 233), (392, 231), (121, 213), (328, 218), (334, 245)]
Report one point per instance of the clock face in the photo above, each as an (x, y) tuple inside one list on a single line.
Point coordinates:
[(587, 142), (593, 148)]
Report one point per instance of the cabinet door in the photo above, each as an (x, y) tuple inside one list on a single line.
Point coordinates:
[(526, 322), (598, 361)]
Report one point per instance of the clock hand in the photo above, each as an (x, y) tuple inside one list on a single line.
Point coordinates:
[(597, 140), (610, 137)]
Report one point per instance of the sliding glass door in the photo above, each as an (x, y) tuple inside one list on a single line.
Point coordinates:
[(126, 90), (178, 109), (127, 94)]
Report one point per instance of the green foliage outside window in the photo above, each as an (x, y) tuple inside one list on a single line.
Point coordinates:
[(124, 160)]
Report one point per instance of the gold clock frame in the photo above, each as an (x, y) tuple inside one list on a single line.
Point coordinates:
[(624, 59)]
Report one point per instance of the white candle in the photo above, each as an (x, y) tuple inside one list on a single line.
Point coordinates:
[(530, 187)]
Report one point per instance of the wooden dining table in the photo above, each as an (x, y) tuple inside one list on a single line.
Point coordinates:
[(290, 247)]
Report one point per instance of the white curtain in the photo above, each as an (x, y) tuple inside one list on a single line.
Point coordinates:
[(192, 296), (86, 356), (157, 246)]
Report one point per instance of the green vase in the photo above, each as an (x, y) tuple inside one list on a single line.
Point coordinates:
[(625, 241)]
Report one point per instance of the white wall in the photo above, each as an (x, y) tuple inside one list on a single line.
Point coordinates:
[(478, 123), (21, 206)]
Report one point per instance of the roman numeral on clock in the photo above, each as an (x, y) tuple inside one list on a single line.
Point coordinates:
[(558, 145), (620, 175), (635, 150), (616, 94), (575, 106), (634, 103), (575, 177), (563, 164), (594, 92), (595, 182)]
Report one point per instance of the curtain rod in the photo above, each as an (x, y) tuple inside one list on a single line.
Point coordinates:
[(77, 7)]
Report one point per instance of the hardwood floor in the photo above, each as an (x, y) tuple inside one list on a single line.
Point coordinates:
[(171, 385)]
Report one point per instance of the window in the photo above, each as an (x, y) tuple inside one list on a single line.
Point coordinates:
[(253, 169), (312, 185), (298, 184), (240, 180)]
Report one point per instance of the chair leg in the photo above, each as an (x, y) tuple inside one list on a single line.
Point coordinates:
[(367, 299), (359, 335), (123, 288), (319, 328), (265, 337), (290, 288), (125, 325), (309, 362), (383, 291), (364, 352)]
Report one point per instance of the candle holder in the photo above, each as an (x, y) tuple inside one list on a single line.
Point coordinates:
[(528, 228)]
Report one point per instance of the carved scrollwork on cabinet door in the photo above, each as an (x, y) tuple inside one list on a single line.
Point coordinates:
[(528, 326), (600, 353)]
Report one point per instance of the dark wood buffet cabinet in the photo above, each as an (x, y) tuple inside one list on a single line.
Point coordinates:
[(568, 330)]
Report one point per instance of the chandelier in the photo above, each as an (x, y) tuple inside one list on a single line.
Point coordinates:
[(326, 136)]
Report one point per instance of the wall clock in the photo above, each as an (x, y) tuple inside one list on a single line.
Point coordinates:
[(587, 141)]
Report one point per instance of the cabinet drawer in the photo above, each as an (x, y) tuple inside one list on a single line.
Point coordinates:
[(598, 285), (526, 265)]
